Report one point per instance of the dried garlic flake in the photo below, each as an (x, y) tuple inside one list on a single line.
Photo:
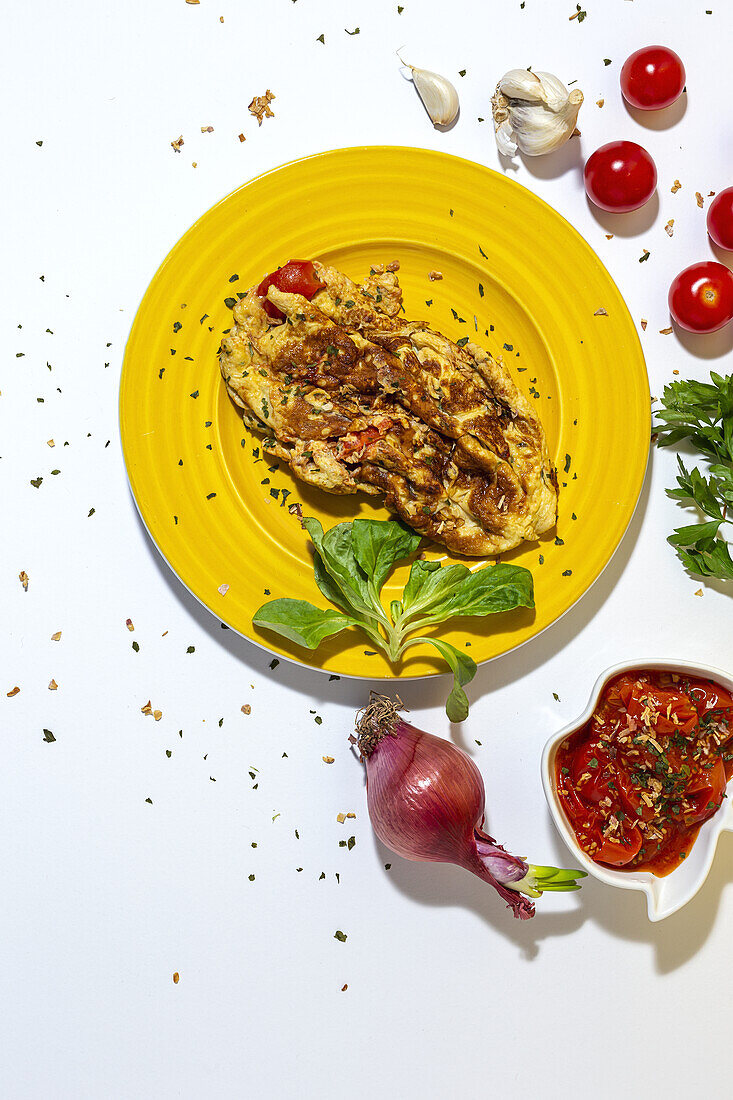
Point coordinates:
[(260, 106)]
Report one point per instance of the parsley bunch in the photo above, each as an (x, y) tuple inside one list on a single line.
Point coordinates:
[(702, 412)]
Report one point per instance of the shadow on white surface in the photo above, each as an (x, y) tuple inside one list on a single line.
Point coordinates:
[(630, 224), (621, 913), (659, 120), (432, 691), (710, 345), (722, 255), (549, 166), (677, 939), (442, 884)]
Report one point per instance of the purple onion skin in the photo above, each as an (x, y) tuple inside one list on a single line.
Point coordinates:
[(426, 802)]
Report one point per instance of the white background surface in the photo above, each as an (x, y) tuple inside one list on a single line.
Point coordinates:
[(105, 895)]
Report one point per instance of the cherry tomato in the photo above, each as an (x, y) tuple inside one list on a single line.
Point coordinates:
[(701, 297), (720, 219), (620, 176), (296, 277), (652, 78)]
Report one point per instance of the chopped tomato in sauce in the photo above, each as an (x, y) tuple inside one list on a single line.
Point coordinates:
[(651, 765)]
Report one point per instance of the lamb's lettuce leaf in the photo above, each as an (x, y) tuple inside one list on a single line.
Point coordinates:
[(351, 563)]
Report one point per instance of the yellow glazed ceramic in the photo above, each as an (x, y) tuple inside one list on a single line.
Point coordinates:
[(517, 278)]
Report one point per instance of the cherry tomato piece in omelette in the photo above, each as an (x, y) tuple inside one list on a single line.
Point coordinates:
[(638, 780), (296, 277), (652, 78)]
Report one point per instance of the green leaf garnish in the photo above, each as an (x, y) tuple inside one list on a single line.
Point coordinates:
[(300, 621), (338, 558), (463, 668), (378, 545), (351, 563)]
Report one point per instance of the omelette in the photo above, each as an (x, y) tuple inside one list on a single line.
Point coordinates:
[(356, 398)]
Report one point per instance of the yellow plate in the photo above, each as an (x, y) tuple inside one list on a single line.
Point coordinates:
[(511, 267)]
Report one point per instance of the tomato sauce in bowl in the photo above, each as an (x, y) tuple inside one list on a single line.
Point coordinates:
[(649, 767)]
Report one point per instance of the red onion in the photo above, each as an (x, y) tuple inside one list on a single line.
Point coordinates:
[(426, 802)]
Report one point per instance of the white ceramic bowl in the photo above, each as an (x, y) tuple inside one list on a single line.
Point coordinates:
[(664, 895)]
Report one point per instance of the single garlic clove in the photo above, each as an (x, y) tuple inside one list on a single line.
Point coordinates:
[(555, 94), (534, 88), (439, 97), (507, 147), (521, 84)]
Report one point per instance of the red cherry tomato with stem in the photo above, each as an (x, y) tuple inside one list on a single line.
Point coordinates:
[(652, 78), (701, 297), (720, 219), (296, 277), (620, 176)]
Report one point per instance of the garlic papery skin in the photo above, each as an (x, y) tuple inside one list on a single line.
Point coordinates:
[(533, 112), (439, 97)]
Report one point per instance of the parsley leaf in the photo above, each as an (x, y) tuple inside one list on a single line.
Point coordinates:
[(701, 412)]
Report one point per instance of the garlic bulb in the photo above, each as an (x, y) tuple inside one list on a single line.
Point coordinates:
[(439, 97), (533, 112)]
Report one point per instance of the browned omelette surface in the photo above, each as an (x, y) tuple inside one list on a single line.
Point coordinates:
[(354, 397)]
